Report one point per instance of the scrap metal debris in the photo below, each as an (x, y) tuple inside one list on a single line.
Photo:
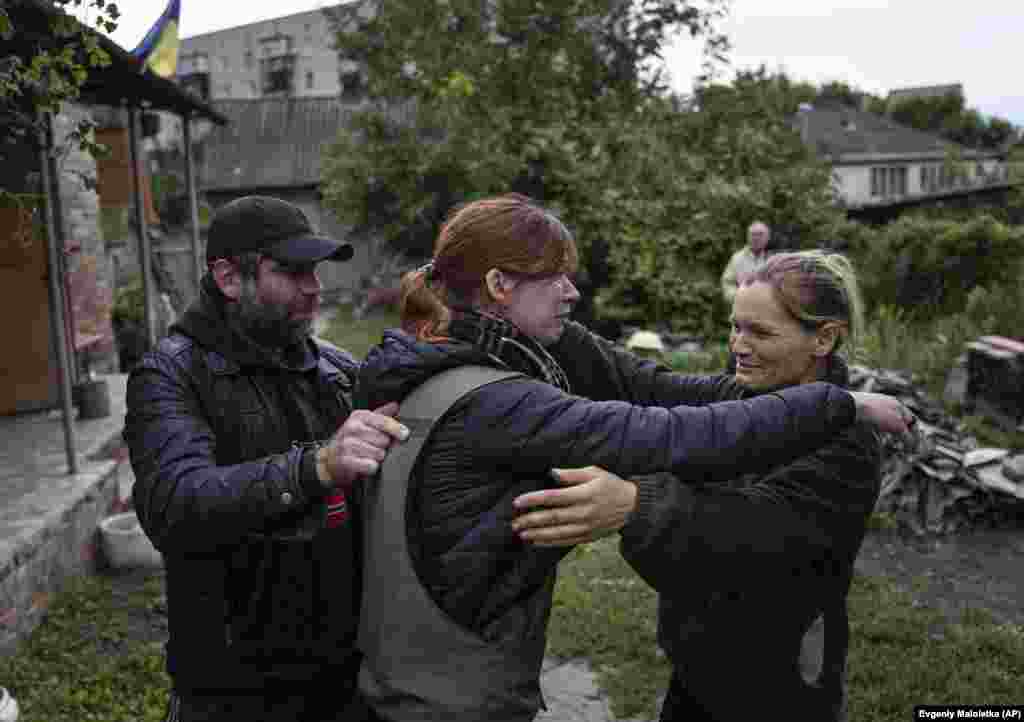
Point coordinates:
[(945, 482)]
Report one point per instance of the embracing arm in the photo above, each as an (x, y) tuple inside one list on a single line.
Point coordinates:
[(533, 427), (599, 370)]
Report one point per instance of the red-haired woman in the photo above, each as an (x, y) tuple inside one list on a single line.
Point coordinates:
[(455, 605)]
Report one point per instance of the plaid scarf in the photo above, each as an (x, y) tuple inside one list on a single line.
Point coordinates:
[(507, 345)]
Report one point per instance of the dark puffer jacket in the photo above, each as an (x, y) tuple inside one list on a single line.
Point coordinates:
[(743, 568), (502, 440), (259, 590)]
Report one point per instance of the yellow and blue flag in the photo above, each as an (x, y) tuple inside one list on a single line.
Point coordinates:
[(158, 50)]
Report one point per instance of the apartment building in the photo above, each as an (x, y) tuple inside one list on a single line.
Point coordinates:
[(286, 57)]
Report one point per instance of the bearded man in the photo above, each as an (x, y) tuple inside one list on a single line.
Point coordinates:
[(245, 450)]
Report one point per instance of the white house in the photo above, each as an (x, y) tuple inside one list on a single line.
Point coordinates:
[(877, 161)]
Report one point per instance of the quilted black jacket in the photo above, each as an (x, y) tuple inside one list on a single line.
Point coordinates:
[(259, 590)]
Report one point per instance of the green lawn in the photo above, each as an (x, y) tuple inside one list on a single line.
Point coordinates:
[(901, 654), (94, 657), (357, 337)]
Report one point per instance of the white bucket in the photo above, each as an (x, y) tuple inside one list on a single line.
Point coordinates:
[(126, 545), (8, 706)]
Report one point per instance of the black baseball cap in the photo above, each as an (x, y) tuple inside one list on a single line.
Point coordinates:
[(272, 226)]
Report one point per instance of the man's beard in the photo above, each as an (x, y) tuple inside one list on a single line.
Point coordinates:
[(268, 323)]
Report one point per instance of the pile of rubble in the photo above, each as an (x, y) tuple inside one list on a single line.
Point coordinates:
[(946, 482)]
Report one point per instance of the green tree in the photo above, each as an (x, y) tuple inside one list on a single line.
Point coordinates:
[(556, 100), (41, 68), (735, 158), (948, 116), (471, 98)]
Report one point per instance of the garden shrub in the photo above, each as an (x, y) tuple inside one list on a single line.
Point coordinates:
[(931, 265), (999, 308)]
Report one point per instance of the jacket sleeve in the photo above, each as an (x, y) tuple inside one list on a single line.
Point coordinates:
[(186, 502), (529, 426), (812, 508), (600, 371)]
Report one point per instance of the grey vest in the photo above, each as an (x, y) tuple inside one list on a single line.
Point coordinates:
[(420, 665)]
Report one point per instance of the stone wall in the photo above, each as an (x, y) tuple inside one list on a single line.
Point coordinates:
[(64, 547)]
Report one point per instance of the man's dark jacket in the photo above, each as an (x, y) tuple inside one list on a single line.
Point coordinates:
[(261, 592), (501, 440)]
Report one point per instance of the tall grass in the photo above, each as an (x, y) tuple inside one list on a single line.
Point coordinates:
[(895, 339)]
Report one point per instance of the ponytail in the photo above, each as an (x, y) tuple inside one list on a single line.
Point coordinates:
[(423, 313)]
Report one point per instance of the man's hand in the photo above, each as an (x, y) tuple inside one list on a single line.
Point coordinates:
[(361, 443), (594, 504)]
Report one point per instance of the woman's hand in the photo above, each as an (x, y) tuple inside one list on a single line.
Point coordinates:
[(885, 413), (593, 504)]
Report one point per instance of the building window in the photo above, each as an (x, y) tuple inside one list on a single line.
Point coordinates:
[(277, 64), (351, 79), (888, 181), (309, 80), (248, 59), (225, 62), (277, 74)]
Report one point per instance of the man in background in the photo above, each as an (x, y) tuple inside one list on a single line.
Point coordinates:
[(746, 259)]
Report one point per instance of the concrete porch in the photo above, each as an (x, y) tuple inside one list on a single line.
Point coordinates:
[(48, 518)]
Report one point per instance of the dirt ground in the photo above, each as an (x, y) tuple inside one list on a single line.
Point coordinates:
[(981, 569)]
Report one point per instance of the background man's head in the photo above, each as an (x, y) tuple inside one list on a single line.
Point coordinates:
[(262, 253), (758, 236)]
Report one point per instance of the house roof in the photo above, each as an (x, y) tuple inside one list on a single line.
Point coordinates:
[(271, 142), (847, 134), (926, 91), (123, 82)]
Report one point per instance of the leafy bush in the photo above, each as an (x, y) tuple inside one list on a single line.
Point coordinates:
[(998, 308), (932, 265)]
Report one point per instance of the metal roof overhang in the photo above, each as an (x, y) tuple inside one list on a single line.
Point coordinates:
[(123, 83)]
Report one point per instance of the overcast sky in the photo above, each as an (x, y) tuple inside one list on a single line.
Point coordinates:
[(876, 45)]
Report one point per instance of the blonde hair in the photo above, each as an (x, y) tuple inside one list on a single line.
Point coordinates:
[(509, 232), (817, 287)]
